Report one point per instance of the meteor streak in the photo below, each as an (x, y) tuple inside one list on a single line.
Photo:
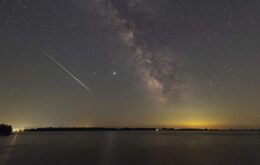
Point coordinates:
[(63, 68)]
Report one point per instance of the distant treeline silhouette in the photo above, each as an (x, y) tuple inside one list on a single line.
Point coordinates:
[(86, 129), (5, 129), (57, 129)]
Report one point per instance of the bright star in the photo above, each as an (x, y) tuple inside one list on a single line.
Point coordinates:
[(114, 73)]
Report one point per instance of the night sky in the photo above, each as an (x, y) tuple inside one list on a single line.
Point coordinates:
[(147, 63)]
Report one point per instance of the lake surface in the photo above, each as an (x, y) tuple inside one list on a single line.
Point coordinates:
[(123, 148)]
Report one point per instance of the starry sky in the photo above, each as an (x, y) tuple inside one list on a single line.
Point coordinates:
[(147, 63)]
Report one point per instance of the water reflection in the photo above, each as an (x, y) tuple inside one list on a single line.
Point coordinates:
[(7, 151), (105, 148), (108, 151)]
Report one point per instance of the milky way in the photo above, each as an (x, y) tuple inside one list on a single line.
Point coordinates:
[(158, 69), (154, 63)]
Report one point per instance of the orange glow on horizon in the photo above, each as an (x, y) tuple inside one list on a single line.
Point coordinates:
[(196, 124)]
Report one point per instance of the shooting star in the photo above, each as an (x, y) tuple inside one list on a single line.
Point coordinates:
[(63, 68)]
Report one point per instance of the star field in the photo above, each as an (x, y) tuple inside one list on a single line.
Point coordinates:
[(147, 63)]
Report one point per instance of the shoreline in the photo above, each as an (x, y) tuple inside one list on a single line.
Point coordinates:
[(72, 129)]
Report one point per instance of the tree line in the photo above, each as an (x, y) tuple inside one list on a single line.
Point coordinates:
[(5, 129)]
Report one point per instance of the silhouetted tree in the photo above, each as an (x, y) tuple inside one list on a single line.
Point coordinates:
[(5, 129)]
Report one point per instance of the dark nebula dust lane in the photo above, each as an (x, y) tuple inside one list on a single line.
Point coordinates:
[(159, 69)]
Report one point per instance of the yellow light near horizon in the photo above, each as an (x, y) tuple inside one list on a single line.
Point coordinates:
[(195, 124), (194, 116), (198, 124), (18, 129)]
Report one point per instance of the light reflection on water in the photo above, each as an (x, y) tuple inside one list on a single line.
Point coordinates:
[(7, 150), (131, 148)]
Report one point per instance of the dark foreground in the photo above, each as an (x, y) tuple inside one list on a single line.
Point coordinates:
[(5, 130), (135, 147)]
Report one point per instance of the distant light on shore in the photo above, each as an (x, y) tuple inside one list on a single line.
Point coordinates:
[(17, 130), (201, 124)]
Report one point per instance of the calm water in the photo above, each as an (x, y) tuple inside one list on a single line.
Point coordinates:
[(124, 148)]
